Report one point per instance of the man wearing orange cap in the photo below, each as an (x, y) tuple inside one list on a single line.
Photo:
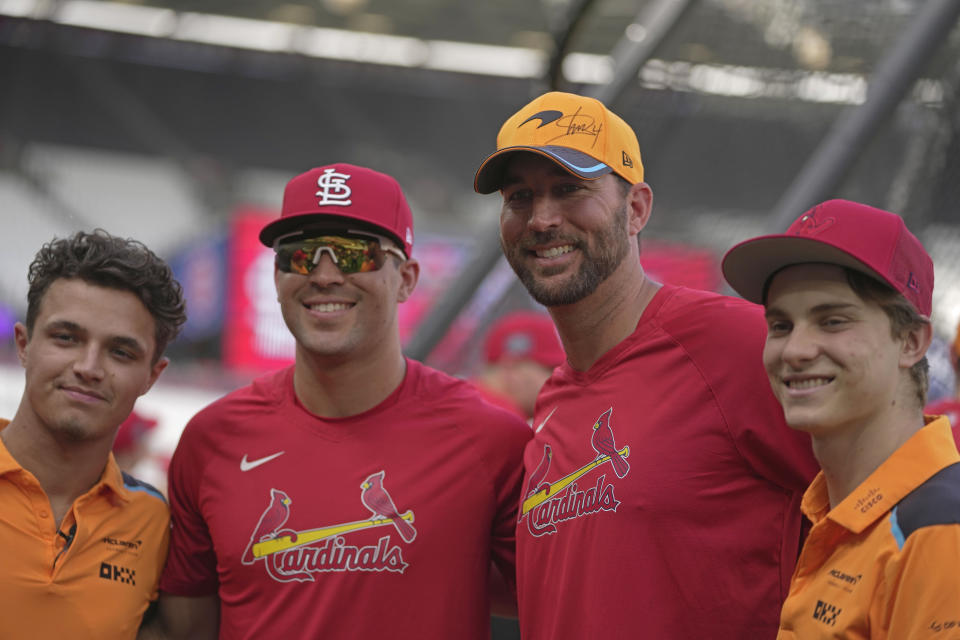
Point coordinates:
[(662, 489), (848, 293), (521, 351), (357, 493)]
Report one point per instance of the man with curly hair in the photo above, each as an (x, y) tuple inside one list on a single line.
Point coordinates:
[(83, 543)]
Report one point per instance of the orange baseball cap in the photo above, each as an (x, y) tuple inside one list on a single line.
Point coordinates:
[(578, 133)]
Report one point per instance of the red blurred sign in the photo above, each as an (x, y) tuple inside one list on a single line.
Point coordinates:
[(254, 335)]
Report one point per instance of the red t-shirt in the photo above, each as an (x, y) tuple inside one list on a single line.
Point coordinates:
[(693, 527), (270, 511), (498, 399)]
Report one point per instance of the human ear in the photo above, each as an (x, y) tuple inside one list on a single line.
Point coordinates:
[(914, 344), (409, 275), (22, 339), (639, 206)]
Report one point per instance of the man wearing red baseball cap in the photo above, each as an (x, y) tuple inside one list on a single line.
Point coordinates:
[(356, 493), (520, 352), (661, 496), (848, 292)]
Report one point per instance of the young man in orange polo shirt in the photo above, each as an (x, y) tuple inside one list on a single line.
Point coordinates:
[(848, 294), (82, 544)]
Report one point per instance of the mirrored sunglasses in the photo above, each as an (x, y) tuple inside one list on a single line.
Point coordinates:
[(354, 253)]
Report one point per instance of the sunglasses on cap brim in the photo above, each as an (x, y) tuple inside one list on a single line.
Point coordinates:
[(351, 251)]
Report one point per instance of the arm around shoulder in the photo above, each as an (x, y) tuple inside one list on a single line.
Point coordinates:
[(184, 618)]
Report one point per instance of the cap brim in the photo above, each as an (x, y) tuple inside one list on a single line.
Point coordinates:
[(489, 176), (749, 265), (293, 223)]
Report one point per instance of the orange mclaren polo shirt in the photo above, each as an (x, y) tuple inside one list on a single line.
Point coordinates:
[(95, 579), (885, 562)]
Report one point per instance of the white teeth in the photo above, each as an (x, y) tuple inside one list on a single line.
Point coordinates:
[(553, 252), (329, 306), (808, 384)]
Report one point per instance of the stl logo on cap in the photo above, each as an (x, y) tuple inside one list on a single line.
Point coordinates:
[(333, 188)]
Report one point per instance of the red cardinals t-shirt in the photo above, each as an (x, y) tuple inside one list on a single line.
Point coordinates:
[(381, 524), (662, 488)]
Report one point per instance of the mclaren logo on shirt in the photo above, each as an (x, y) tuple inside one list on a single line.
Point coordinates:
[(290, 555), (844, 580), (546, 504), (125, 546)]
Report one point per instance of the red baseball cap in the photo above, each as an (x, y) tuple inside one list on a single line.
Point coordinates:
[(132, 431), (524, 335), (844, 233), (343, 194)]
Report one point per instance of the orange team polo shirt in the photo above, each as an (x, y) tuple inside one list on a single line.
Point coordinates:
[(100, 586), (885, 562)]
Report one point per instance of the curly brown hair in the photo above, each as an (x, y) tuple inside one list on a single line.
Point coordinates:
[(102, 259)]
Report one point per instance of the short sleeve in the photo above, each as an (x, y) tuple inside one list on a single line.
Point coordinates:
[(191, 568), (921, 594)]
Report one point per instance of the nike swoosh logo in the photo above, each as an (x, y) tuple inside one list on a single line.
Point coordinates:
[(246, 465), (540, 426)]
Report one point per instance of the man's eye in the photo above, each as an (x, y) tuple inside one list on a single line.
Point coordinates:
[(834, 322), (778, 327), (518, 195)]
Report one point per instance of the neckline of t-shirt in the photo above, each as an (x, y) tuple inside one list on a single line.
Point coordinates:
[(646, 324), (333, 428)]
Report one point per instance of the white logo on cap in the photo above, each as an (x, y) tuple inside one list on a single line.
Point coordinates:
[(519, 344), (333, 188)]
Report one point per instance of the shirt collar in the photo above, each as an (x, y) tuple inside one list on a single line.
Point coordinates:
[(111, 480), (7, 463), (926, 452)]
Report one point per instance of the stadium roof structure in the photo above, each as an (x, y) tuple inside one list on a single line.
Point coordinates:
[(734, 101)]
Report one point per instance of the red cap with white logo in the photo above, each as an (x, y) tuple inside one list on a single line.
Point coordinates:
[(525, 335), (843, 233), (337, 196)]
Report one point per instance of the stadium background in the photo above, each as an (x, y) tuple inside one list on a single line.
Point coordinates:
[(178, 122)]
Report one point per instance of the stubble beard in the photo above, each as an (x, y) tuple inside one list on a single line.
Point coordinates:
[(611, 246)]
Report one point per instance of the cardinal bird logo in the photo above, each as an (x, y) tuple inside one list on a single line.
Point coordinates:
[(533, 484), (272, 519), (375, 498), (603, 444)]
